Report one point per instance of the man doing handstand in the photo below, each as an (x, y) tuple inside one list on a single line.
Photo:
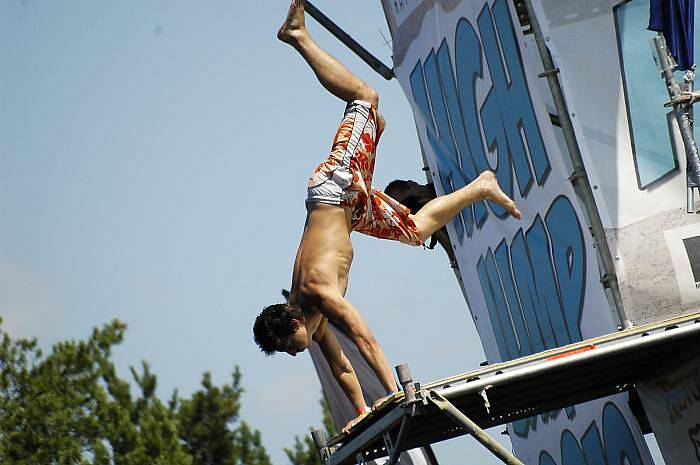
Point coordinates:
[(341, 200)]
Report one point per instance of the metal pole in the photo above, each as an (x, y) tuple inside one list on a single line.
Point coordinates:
[(406, 381), (321, 443), (472, 428), (681, 109), (689, 80), (374, 62), (579, 178)]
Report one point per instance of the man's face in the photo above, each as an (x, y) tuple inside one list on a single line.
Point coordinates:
[(297, 342)]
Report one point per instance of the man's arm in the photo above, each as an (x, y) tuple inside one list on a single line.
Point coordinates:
[(337, 309), (340, 366)]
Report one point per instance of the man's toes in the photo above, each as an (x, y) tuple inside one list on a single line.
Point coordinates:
[(515, 212)]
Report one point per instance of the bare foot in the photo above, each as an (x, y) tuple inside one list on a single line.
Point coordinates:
[(493, 192), (294, 26)]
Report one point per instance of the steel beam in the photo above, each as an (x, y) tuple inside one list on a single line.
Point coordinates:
[(374, 62)]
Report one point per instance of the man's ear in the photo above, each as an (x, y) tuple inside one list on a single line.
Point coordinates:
[(296, 322)]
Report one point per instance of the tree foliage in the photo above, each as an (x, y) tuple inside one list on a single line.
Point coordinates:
[(305, 452), (71, 407)]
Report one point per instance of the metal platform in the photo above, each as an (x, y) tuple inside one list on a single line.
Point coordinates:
[(520, 388)]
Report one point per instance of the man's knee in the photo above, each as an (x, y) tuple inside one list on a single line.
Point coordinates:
[(422, 230)]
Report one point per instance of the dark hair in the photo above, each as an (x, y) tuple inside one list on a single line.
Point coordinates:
[(274, 324), (396, 189), (411, 194)]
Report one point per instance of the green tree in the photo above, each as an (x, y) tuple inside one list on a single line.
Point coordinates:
[(70, 407), (207, 427), (305, 452)]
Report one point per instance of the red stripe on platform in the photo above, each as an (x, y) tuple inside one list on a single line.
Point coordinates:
[(572, 352)]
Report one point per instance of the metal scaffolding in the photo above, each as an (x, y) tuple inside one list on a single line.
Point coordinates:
[(513, 390), (471, 402), (682, 103)]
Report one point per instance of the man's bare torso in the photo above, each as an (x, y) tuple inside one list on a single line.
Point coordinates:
[(325, 254)]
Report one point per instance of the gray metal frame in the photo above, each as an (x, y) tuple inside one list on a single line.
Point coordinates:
[(502, 393)]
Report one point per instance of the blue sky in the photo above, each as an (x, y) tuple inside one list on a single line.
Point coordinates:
[(154, 165)]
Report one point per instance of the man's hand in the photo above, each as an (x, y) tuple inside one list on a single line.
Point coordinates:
[(353, 422), (382, 400)]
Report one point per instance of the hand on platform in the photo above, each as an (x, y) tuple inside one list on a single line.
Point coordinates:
[(379, 402), (353, 422)]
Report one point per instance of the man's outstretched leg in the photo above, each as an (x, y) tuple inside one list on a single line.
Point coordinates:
[(332, 74), (440, 211)]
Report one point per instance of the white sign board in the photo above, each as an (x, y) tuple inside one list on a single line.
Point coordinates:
[(533, 284), (632, 149)]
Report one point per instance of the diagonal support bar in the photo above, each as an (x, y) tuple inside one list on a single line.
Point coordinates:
[(405, 425), (472, 428), (374, 62)]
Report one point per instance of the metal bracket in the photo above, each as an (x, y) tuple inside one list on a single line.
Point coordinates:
[(549, 72), (607, 279), (576, 175), (388, 443), (485, 397), (684, 99)]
